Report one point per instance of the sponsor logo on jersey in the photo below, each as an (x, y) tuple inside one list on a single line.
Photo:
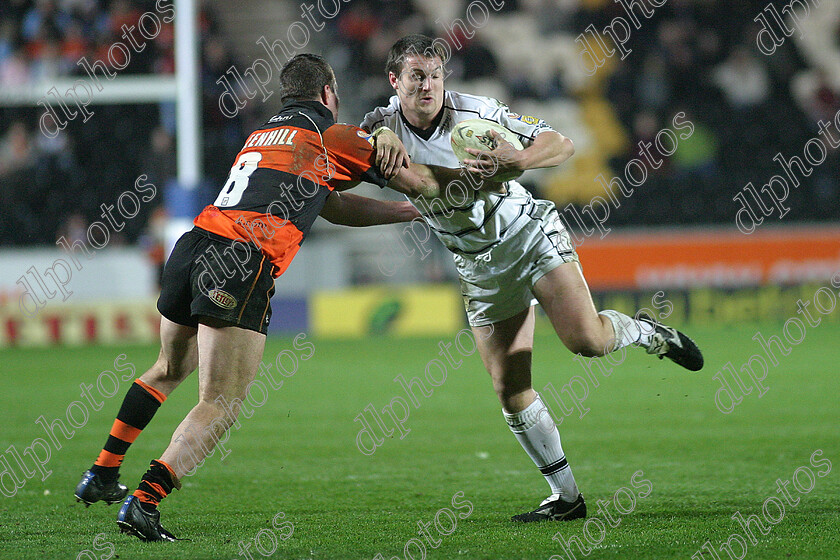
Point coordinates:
[(222, 298), (366, 136), (527, 119), (278, 118)]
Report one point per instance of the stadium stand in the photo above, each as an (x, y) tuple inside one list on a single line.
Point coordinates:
[(685, 58)]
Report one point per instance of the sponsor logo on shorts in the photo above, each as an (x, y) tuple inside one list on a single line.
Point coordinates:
[(222, 298)]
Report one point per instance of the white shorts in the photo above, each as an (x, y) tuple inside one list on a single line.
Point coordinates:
[(498, 284)]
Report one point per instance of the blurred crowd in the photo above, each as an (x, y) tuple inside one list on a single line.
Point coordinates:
[(55, 186), (696, 56), (45, 39), (693, 58)]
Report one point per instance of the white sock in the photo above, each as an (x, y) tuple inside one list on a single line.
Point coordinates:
[(628, 330), (538, 435)]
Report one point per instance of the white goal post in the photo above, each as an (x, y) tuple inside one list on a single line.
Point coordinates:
[(183, 88)]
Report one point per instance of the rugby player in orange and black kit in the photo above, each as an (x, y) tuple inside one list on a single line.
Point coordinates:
[(219, 278)]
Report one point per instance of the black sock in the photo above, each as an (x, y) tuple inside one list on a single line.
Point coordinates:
[(155, 485), (139, 406)]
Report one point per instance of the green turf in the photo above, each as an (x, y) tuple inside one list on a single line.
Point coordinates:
[(297, 455)]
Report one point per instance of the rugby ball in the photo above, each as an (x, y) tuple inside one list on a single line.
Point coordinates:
[(474, 133)]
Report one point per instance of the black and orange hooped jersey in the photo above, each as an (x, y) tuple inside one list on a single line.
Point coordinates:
[(280, 180)]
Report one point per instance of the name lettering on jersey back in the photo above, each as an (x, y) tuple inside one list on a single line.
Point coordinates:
[(275, 137)]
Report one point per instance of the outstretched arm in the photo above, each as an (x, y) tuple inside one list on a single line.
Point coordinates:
[(427, 181), (549, 149), (432, 181), (353, 210)]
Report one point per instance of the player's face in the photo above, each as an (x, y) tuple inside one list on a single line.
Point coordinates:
[(420, 87)]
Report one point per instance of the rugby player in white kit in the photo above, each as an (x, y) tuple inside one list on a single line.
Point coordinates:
[(511, 252)]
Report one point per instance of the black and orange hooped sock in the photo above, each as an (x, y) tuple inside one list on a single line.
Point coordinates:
[(156, 484), (139, 406)]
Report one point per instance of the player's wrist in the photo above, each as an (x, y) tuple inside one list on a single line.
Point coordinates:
[(408, 211), (516, 159), (521, 160)]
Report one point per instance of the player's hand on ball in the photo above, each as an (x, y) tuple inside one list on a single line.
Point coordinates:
[(391, 155), (503, 159)]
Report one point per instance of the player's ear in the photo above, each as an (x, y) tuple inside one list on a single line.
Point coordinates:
[(392, 78)]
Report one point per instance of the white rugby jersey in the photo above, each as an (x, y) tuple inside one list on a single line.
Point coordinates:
[(487, 218)]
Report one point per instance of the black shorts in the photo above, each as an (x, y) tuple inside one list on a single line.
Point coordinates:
[(208, 275)]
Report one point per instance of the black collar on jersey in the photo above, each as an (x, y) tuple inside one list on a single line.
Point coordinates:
[(424, 133), (311, 105)]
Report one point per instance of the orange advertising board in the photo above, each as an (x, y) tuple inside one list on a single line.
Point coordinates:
[(705, 257)]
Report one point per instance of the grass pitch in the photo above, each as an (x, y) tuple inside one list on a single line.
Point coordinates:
[(297, 455)]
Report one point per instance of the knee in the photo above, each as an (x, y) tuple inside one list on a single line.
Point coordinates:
[(166, 370), (159, 370)]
